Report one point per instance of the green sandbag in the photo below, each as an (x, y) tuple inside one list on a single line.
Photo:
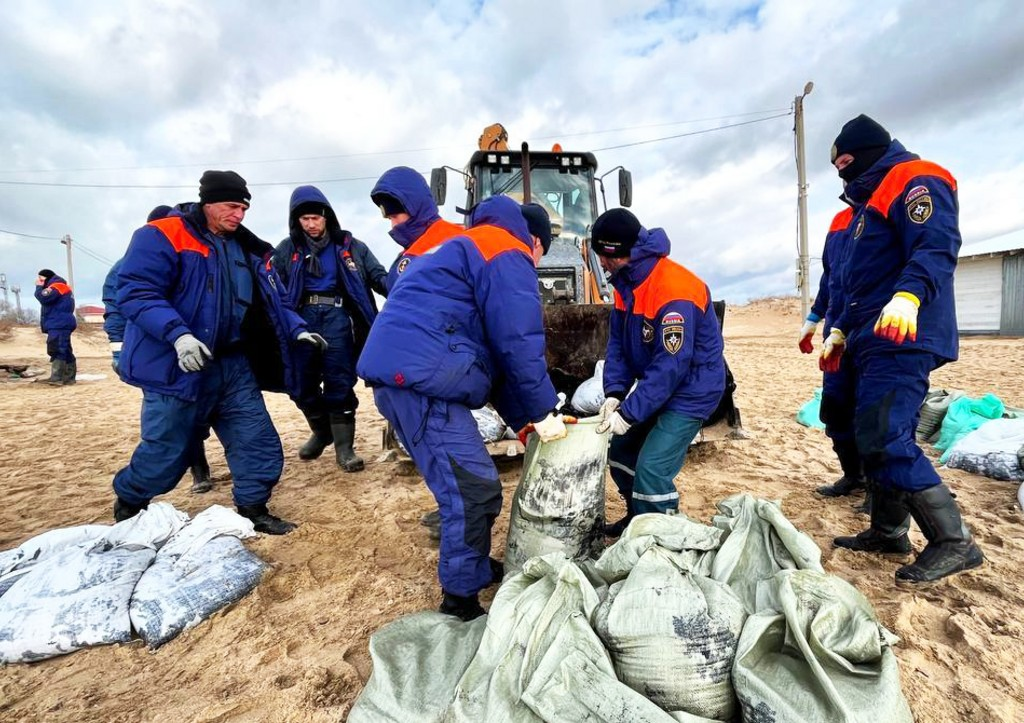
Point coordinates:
[(965, 415), (809, 414)]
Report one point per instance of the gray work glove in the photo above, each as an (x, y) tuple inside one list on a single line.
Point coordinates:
[(312, 338), (192, 353)]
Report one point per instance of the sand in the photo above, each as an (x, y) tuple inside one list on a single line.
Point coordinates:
[(296, 648)]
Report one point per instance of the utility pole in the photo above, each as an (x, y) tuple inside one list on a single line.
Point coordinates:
[(803, 273), (71, 272), (3, 287), (16, 290)]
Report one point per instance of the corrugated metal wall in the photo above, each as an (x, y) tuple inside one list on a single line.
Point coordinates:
[(977, 287), (1012, 317)]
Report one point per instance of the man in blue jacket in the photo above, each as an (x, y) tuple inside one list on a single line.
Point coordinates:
[(464, 327), (57, 321), (665, 338), (207, 330), (896, 323), (114, 324), (330, 278), (837, 394)]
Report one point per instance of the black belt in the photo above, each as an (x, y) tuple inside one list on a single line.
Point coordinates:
[(317, 300)]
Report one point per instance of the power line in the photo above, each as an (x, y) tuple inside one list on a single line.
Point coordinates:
[(191, 186), (691, 133), (29, 235), (95, 254)]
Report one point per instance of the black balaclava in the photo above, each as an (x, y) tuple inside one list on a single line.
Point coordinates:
[(864, 139)]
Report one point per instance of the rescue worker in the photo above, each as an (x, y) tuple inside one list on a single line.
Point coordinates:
[(665, 338), (463, 327), (330, 277), (404, 198), (837, 394), (207, 329), (57, 320), (896, 323), (113, 325)]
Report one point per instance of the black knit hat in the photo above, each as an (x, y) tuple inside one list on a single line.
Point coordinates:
[(223, 187), (614, 233), (861, 133), (46, 274), (539, 223), (158, 213), (309, 208), (388, 204)]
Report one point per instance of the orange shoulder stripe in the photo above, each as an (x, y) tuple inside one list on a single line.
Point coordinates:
[(842, 220), (895, 182), (620, 305), (181, 240), (60, 287), (492, 240), (669, 281), (438, 232)]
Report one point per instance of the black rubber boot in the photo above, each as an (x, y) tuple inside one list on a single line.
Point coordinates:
[(56, 372), (842, 487), (70, 372), (464, 608), (263, 521), (853, 471), (124, 511), (615, 529), (497, 571), (950, 548), (202, 482), (343, 427), (865, 507), (321, 438), (890, 521)]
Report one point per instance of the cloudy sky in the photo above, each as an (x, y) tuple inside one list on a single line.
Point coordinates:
[(108, 109)]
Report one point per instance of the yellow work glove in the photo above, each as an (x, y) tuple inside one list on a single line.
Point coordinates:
[(550, 428), (832, 351), (898, 320)]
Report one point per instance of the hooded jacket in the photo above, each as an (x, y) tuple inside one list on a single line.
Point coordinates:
[(358, 268), (905, 236), (113, 320), (57, 312), (664, 336), (170, 285), (424, 229), (465, 323), (828, 285)]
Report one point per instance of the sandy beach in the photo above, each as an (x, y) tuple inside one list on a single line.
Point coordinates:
[(295, 649)]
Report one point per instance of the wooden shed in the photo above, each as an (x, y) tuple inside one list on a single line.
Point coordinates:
[(990, 292)]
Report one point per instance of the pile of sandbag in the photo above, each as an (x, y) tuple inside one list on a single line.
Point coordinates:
[(157, 572), (677, 621), (995, 449)]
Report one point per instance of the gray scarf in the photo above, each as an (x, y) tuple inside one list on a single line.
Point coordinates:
[(315, 246)]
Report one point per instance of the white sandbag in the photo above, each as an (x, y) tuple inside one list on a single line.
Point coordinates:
[(589, 396), (689, 545), (15, 563), (79, 596), (489, 423), (759, 542), (995, 449), (673, 636), (200, 570), (815, 651), (559, 503)]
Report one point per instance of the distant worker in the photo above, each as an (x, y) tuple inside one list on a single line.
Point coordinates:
[(896, 323), (330, 277), (837, 395), (463, 327), (664, 338), (57, 321), (207, 330), (113, 325), (404, 199)]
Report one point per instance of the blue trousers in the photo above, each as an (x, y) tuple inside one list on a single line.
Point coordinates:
[(891, 386), (58, 346), (645, 460), (838, 412), (444, 442), (229, 401), (334, 369)]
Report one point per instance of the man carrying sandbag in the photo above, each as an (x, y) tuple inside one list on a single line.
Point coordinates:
[(664, 337)]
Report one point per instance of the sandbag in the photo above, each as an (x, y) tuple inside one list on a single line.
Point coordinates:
[(689, 545), (933, 411), (589, 396), (16, 563), (200, 570), (965, 415), (995, 449), (809, 414), (759, 543), (559, 503), (672, 636), (490, 424), (814, 651)]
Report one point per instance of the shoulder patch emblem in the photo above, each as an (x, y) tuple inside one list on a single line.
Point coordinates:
[(914, 193), (672, 317), (920, 210), (403, 264), (47, 291), (672, 338), (647, 332), (351, 263), (859, 228)]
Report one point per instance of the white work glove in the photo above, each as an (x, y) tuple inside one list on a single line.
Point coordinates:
[(311, 338), (615, 424), (898, 320), (610, 405), (806, 343), (192, 353), (550, 428)]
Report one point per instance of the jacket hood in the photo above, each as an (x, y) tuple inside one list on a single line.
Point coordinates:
[(651, 245), (55, 279), (858, 191), (505, 213), (409, 187), (310, 194)]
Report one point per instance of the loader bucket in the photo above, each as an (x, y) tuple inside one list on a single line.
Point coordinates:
[(577, 336)]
